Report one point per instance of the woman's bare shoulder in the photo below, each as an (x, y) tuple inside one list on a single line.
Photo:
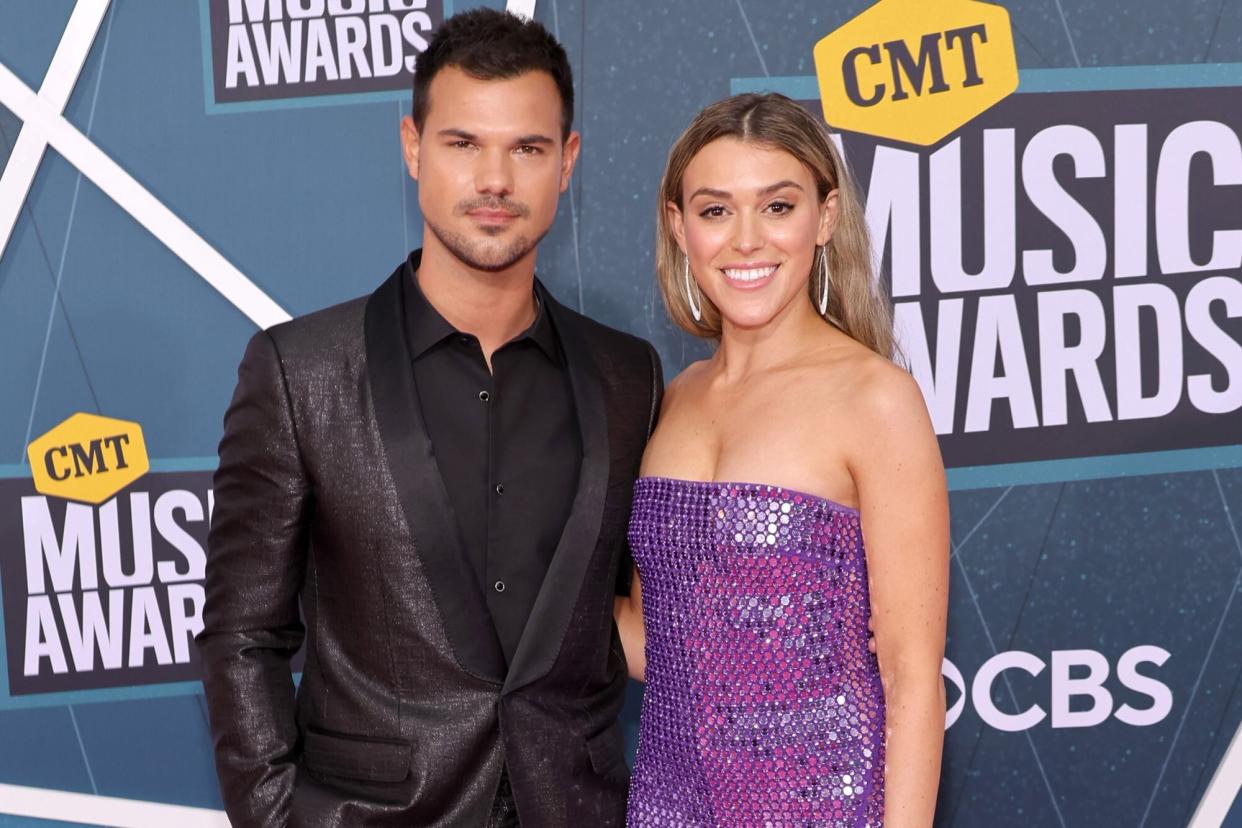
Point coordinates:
[(886, 390), (887, 423), (874, 391), (684, 384)]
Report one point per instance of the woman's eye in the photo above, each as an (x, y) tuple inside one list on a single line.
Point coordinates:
[(714, 211), (780, 207)]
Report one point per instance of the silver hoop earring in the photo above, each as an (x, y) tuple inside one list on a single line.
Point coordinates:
[(696, 310), (823, 280)]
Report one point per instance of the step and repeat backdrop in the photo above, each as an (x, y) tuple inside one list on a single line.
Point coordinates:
[(1054, 189)]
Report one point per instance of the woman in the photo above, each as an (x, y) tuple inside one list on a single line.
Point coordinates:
[(792, 493)]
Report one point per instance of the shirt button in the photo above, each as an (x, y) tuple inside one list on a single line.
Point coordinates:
[(500, 488), (499, 586), (484, 396)]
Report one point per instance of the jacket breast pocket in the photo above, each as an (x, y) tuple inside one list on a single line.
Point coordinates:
[(607, 751), (356, 757)]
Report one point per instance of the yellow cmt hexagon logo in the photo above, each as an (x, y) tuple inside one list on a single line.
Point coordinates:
[(916, 70), (88, 458)]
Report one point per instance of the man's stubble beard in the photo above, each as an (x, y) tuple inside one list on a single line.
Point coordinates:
[(480, 255)]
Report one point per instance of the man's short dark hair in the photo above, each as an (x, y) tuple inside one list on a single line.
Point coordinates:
[(493, 45)]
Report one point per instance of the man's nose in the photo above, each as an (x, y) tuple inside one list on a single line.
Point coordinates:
[(494, 175)]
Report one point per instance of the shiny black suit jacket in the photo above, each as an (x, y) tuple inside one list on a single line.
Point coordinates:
[(328, 497)]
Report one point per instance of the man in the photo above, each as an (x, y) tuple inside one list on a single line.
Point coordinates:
[(440, 476)]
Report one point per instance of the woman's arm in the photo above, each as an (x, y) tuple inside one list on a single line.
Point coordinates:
[(905, 523), (628, 612)]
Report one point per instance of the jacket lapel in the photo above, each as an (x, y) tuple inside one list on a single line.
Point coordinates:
[(549, 618), (424, 499)]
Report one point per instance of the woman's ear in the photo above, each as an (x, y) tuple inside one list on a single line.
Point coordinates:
[(676, 221), (827, 218)]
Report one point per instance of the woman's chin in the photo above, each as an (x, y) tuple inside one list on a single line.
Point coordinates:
[(757, 314), (748, 319)]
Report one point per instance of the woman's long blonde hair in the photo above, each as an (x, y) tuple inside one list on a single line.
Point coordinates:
[(855, 305)]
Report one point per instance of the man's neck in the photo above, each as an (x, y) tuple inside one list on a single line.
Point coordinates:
[(492, 306)]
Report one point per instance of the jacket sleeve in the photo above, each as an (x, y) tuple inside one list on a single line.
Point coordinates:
[(657, 388), (257, 551), (624, 571)]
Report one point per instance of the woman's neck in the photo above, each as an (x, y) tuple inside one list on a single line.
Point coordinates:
[(743, 352)]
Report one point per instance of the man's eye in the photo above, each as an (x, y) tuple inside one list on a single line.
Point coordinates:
[(461, 145), (527, 149)]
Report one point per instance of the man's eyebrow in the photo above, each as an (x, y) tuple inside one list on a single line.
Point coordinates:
[(521, 140)]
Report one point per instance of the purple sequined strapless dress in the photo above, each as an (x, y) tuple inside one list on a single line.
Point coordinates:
[(763, 706)]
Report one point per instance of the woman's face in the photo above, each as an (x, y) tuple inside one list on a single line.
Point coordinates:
[(750, 224)]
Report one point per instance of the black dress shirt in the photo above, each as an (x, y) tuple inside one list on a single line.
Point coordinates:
[(507, 446)]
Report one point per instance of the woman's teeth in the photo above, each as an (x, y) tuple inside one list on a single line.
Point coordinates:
[(750, 274)]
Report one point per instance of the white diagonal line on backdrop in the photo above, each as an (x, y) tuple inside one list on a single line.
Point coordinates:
[(136, 200), (956, 558), (77, 731), (1221, 784), (1222, 791), (1013, 696), (982, 520), (1068, 35), (522, 8), (64, 250), (763, 64), (66, 806), (58, 82)]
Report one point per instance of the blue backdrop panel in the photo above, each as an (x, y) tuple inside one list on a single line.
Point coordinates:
[(309, 199)]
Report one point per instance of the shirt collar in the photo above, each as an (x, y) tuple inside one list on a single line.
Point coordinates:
[(426, 328)]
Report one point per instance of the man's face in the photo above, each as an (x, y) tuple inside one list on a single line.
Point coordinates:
[(490, 165)]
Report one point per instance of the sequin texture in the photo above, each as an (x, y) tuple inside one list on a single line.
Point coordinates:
[(763, 706)]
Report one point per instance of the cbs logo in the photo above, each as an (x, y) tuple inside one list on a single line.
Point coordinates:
[(1079, 695)]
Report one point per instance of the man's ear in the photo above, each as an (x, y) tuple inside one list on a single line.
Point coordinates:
[(409, 145), (569, 157)]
